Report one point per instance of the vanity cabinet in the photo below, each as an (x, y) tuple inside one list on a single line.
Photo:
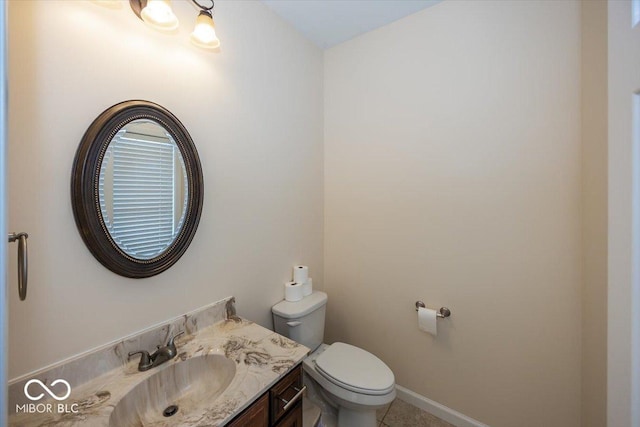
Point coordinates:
[(271, 409), (285, 412), (256, 415), (293, 418)]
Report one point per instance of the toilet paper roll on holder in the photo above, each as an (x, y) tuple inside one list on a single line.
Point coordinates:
[(442, 313)]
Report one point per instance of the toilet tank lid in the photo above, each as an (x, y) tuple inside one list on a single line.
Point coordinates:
[(294, 310)]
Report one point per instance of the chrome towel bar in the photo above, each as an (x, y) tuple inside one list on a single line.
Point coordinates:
[(442, 313)]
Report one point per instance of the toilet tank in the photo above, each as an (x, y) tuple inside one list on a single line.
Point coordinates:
[(302, 321)]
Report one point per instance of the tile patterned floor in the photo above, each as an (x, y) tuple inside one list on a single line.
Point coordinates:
[(402, 414)]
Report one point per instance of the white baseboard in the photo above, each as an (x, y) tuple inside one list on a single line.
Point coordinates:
[(440, 411)]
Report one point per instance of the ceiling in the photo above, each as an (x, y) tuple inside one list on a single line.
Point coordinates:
[(330, 22)]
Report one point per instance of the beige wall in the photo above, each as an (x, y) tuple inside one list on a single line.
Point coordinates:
[(254, 111), (594, 225), (453, 175)]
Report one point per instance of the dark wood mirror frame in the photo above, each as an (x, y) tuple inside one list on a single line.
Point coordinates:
[(85, 179)]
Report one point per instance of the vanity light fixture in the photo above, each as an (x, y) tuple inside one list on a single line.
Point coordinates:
[(204, 33), (158, 15), (155, 13)]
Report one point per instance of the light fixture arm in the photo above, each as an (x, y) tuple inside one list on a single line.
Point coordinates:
[(201, 7)]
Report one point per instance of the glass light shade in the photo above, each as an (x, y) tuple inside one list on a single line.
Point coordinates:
[(158, 14), (204, 33)]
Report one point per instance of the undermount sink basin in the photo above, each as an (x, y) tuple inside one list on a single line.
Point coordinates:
[(178, 388)]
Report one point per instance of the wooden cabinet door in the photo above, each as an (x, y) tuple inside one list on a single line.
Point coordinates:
[(256, 415), (285, 391), (293, 417)]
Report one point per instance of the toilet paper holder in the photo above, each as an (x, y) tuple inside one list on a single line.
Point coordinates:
[(442, 313)]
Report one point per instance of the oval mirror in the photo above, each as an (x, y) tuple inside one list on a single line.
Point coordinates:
[(137, 189)]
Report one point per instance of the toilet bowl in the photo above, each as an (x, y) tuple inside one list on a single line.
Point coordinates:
[(357, 386), (351, 379)]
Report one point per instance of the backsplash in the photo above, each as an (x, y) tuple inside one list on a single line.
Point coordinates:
[(86, 366)]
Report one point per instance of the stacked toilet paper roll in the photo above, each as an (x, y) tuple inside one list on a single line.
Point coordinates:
[(307, 287), (293, 291), (301, 286), (300, 273)]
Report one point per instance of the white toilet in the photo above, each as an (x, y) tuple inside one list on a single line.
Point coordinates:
[(351, 379)]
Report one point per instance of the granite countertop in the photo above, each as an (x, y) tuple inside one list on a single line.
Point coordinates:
[(261, 356)]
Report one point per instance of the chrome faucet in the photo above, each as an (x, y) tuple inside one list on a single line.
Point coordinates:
[(158, 357)]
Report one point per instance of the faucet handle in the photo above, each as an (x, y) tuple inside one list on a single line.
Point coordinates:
[(171, 343), (170, 349), (145, 359)]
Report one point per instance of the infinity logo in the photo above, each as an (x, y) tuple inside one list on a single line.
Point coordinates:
[(47, 389)]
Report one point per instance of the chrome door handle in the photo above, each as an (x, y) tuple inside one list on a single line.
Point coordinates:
[(289, 403), (23, 263)]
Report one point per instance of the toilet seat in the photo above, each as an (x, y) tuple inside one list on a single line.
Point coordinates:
[(355, 369)]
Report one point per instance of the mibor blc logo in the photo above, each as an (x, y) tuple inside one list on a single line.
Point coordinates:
[(30, 391), (47, 389)]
